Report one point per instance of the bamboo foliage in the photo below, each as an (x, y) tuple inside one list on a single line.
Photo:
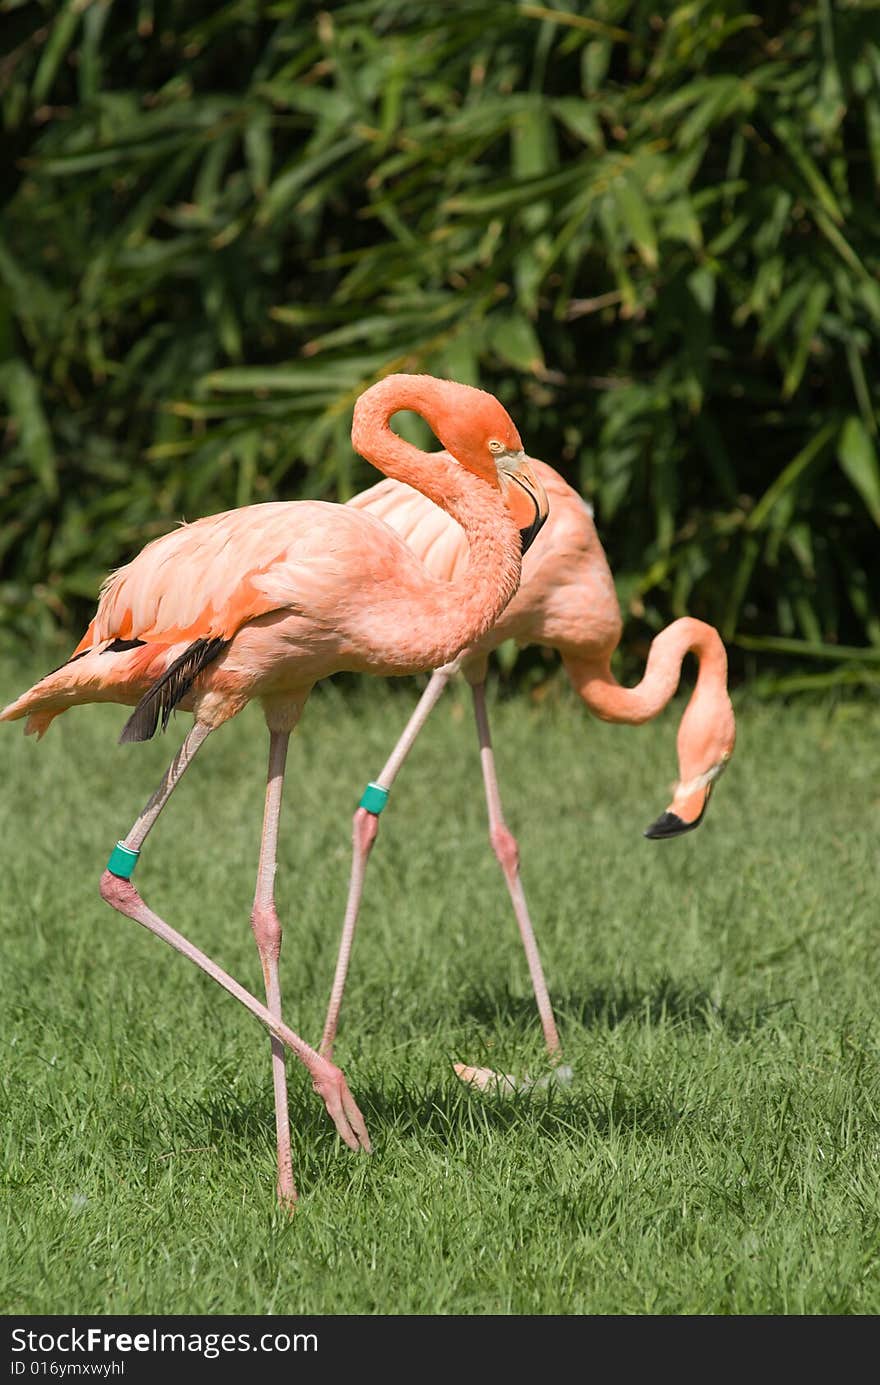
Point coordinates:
[(652, 231)]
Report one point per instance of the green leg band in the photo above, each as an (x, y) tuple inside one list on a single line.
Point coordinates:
[(374, 799), (123, 860)]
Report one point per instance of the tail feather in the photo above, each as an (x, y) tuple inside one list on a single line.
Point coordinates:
[(29, 705), (121, 670), (38, 723), (167, 691)]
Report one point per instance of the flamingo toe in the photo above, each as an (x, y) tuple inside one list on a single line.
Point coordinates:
[(485, 1079), (332, 1088)]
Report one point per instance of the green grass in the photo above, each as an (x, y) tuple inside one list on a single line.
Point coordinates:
[(718, 1152)]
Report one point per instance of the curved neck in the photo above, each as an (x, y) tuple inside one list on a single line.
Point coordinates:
[(435, 474), (452, 614), (604, 696)]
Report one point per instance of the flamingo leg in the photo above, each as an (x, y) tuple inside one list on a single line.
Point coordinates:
[(267, 932), (365, 829), (120, 894), (507, 852)]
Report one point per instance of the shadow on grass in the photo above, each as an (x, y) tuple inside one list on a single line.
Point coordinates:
[(441, 1113), (449, 1114), (667, 1002)]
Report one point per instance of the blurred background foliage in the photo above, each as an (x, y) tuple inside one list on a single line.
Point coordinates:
[(652, 231)]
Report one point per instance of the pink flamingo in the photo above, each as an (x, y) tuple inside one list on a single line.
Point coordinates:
[(262, 602), (566, 600)]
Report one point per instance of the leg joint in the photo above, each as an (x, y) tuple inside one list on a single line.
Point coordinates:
[(505, 846), (267, 929), (118, 893)]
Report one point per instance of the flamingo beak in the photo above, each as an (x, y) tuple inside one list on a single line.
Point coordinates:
[(525, 496), (688, 806), (670, 824)]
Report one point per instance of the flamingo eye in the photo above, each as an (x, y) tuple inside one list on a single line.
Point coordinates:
[(496, 446)]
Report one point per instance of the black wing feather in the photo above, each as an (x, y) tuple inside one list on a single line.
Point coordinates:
[(167, 691)]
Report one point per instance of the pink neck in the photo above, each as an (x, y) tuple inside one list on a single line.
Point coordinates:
[(459, 612), (610, 701)]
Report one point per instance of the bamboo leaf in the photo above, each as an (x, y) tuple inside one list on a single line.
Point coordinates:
[(636, 217), (95, 18), (809, 321), (836, 238), (577, 21), (785, 131), (771, 686), (258, 150), (778, 317), (57, 45), (515, 340), (512, 193), (680, 222), (790, 474), (581, 119), (858, 459), (808, 649), (249, 379), (739, 586), (872, 129), (301, 173), (22, 395)]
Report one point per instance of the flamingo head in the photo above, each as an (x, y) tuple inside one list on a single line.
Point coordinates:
[(480, 434), (474, 428), (706, 739)]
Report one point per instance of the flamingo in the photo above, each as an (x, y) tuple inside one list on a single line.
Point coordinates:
[(566, 601), (261, 603)]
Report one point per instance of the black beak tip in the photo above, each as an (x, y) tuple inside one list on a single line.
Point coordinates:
[(669, 825), (527, 536)]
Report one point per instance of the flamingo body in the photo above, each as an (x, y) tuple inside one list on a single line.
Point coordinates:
[(260, 603), (295, 591)]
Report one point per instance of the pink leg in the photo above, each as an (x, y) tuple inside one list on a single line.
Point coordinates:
[(119, 892), (505, 848), (365, 829), (267, 931)]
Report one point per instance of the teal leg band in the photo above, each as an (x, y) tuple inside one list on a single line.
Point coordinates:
[(374, 799), (123, 860)]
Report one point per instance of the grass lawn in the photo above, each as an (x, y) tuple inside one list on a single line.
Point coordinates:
[(717, 1153)]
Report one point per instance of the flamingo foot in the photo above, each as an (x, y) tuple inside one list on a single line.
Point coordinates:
[(332, 1088), (286, 1200), (486, 1080), (503, 1084)]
